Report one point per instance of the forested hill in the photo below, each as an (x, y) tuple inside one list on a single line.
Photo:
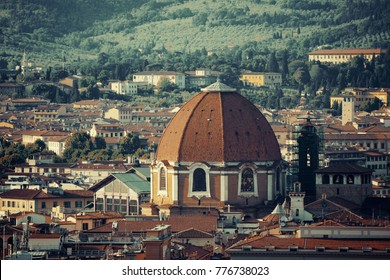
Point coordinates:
[(85, 28)]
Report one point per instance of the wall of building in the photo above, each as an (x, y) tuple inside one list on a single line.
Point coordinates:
[(344, 232), (353, 193)]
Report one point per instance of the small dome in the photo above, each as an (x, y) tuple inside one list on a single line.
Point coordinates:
[(218, 125)]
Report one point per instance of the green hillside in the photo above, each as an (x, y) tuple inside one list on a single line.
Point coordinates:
[(81, 29)]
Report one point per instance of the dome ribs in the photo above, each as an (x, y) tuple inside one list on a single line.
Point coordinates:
[(218, 127)]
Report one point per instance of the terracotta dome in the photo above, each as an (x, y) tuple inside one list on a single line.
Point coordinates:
[(218, 125)]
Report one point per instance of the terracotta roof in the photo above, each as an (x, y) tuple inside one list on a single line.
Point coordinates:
[(92, 166), (45, 236), (325, 206), (281, 128), (344, 215), (192, 233), (26, 213), (158, 73), (375, 129), (312, 243), (192, 252), (218, 127), (327, 223), (345, 168), (29, 100), (24, 194), (340, 128), (87, 102), (260, 73), (11, 85), (38, 194), (45, 133), (348, 51), (66, 194), (373, 153), (178, 223), (99, 215), (355, 136)]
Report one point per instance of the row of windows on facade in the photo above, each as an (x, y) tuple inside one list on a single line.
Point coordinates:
[(339, 56), (369, 98), (251, 77), (377, 166), (381, 192), (199, 180), (350, 179), (356, 155), (45, 111), (118, 205), (44, 204), (45, 170), (116, 134), (362, 144), (266, 84)]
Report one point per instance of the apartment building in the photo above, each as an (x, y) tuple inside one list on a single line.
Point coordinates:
[(48, 113), (154, 77)]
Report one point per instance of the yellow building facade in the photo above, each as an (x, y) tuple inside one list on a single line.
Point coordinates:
[(260, 79), (42, 201), (363, 95)]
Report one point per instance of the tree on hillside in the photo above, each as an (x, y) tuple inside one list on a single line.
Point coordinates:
[(98, 155), (103, 77), (337, 108), (294, 65), (285, 71), (199, 19), (272, 65), (341, 80), (164, 84), (12, 154), (302, 77), (100, 143), (317, 73), (102, 58), (37, 146), (78, 146), (92, 92), (372, 105), (129, 144), (3, 64), (44, 91)]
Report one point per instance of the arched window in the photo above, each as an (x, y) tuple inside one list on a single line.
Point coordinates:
[(338, 179), (163, 179), (247, 182), (199, 181), (350, 179), (325, 179), (297, 213)]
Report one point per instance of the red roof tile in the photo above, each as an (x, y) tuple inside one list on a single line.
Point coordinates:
[(192, 233), (348, 51)]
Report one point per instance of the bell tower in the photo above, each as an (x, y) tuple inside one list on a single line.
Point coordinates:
[(348, 113), (308, 157)]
